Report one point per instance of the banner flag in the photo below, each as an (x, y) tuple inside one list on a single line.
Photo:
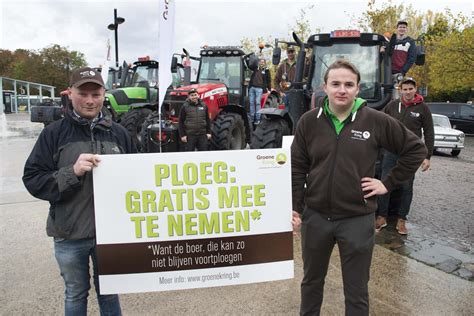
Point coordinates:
[(105, 66), (166, 29)]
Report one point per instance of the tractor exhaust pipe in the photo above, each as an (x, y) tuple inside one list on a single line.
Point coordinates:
[(300, 62), (296, 98)]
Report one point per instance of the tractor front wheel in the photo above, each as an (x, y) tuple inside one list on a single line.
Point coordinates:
[(269, 133), (133, 121), (228, 132)]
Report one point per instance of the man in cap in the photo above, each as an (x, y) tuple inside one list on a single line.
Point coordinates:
[(416, 116), (194, 124), (59, 170), (403, 50), (285, 74)]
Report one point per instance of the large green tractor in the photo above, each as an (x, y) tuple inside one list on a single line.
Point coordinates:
[(136, 97)]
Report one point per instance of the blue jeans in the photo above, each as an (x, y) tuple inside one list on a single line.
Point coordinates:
[(73, 260), (389, 161), (286, 101), (255, 95)]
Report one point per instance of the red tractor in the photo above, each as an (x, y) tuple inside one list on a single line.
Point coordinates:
[(221, 84)]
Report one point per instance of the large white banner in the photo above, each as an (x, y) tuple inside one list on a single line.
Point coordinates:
[(166, 42), (191, 220)]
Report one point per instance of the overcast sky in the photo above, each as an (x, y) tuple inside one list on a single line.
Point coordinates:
[(82, 24)]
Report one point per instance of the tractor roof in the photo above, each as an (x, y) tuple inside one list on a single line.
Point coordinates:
[(222, 51), (346, 36), (150, 63)]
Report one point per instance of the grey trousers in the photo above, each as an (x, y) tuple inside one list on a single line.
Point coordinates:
[(355, 239)]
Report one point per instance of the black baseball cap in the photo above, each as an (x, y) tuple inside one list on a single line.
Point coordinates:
[(408, 80), (402, 23), (85, 75), (193, 90)]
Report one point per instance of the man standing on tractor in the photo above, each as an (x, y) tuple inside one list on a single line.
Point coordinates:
[(333, 155), (194, 124), (416, 116), (260, 82), (285, 74), (403, 50), (59, 170)]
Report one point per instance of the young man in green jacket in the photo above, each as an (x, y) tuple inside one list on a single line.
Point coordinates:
[(333, 186)]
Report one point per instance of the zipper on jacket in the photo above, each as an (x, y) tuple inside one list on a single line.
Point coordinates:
[(333, 166), (93, 145), (404, 114), (331, 175)]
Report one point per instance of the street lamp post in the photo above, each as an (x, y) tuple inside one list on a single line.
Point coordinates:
[(114, 27)]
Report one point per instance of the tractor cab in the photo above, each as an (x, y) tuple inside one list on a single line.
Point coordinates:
[(362, 50), (144, 73), (226, 65), (111, 79), (138, 87), (136, 97)]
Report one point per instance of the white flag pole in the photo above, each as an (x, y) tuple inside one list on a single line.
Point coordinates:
[(105, 66), (166, 42)]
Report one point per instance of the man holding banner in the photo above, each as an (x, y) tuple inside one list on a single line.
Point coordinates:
[(334, 190), (59, 170)]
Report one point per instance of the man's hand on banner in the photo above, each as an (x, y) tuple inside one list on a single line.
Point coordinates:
[(85, 163), (296, 222)]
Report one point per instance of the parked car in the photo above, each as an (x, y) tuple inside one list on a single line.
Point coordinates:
[(447, 137), (461, 115)]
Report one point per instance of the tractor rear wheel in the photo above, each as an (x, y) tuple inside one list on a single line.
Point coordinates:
[(228, 132), (133, 121), (269, 133), (272, 101), (143, 136)]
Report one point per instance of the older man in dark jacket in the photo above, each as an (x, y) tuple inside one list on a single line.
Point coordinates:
[(59, 170), (194, 124)]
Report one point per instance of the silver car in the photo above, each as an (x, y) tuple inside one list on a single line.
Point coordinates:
[(447, 137)]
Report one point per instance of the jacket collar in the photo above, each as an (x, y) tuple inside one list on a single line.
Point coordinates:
[(102, 120)]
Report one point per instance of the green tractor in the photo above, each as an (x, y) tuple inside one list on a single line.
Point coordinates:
[(136, 97)]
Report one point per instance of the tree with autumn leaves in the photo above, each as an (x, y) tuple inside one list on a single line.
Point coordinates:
[(449, 45), (50, 65)]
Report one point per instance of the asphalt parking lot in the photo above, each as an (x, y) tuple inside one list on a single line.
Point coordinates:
[(441, 219)]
